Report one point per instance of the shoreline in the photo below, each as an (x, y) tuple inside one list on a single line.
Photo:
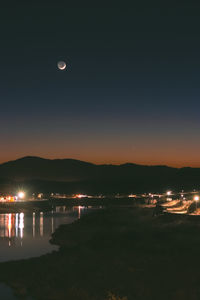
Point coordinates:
[(47, 205), (118, 251)]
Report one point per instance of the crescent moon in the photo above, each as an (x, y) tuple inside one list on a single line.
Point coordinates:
[(62, 65), (62, 68)]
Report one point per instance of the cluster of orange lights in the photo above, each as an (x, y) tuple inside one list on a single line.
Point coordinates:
[(9, 198)]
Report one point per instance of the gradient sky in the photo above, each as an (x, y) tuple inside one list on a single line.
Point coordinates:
[(131, 92)]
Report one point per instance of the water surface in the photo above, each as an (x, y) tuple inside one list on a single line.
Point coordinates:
[(6, 293), (25, 235)]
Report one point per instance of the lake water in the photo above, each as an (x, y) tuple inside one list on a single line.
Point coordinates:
[(6, 293), (25, 235)]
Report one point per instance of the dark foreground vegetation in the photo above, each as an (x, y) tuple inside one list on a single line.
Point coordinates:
[(113, 254)]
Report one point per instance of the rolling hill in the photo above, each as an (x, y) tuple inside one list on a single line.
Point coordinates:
[(72, 175)]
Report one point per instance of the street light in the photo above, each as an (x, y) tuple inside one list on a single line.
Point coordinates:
[(21, 195), (196, 199), (168, 194)]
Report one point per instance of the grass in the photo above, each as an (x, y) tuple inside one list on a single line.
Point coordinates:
[(115, 254)]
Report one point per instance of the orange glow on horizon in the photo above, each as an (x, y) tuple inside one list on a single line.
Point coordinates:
[(177, 159)]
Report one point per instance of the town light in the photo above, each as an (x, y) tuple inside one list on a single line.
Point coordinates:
[(196, 199), (21, 195), (79, 196), (169, 193)]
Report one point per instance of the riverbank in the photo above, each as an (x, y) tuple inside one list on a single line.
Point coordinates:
[(117, 251)]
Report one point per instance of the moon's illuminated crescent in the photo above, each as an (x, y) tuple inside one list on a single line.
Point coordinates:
[(62, 65)]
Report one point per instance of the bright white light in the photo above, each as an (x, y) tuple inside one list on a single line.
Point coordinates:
[(196, 198), (169, 193), (21, 195), (81, 196)]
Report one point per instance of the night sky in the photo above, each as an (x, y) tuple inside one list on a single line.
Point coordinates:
[(131, 91)]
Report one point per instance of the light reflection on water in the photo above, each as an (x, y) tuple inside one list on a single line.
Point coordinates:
[(24, 235)]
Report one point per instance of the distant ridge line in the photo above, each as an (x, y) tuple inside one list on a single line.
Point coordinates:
[(85, 177), (28, 157)]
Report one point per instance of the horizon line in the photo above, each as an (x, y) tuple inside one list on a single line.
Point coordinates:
[(103, 163)]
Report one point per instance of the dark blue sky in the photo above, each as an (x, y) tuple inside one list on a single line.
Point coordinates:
[(130, 92)]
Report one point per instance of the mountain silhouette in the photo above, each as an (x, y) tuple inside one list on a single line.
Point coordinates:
[(70, 175)]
